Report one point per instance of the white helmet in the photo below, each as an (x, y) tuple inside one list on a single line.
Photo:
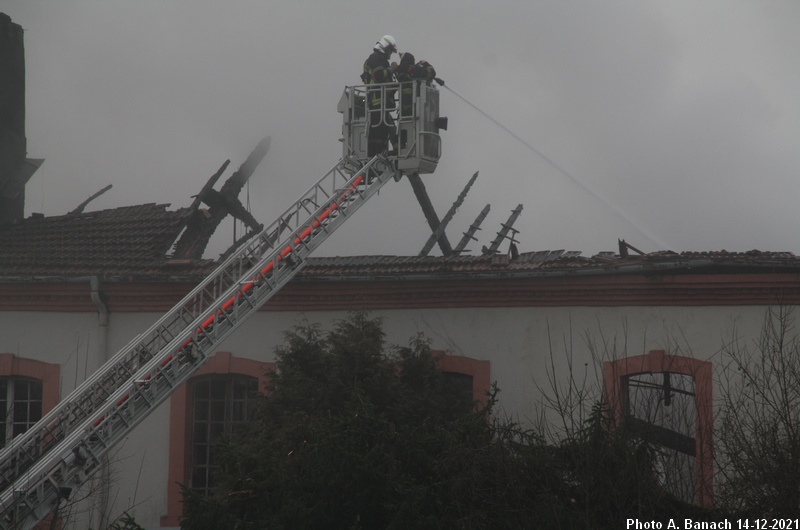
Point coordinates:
[(387, 45)]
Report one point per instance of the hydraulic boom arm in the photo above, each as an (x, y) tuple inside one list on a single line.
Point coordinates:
[(43, 466)]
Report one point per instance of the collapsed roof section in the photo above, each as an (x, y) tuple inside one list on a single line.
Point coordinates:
[(127, 243)]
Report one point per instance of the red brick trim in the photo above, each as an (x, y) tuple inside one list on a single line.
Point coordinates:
[(603, 290), (657, 361), (220, 363)]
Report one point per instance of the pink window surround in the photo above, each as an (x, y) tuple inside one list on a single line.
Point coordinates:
[(478, 370), (657, 361), (48, 374), (222, 363)]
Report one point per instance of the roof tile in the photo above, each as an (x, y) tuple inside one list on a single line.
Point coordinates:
[(131, 241), (134, 242)]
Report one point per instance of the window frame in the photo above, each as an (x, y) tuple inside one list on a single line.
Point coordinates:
[(211, 418), (615, 381), (223, 363), (480, 371), (13, 368), (11, 400), (180, 405)]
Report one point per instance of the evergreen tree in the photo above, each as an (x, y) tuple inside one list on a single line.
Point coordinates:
[(354, 434)]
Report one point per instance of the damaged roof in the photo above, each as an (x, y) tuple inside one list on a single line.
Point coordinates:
[(546, 263), (145, 242), (127, 243), (133, 243)]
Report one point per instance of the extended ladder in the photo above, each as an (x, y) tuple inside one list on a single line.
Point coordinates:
[(43, 466)]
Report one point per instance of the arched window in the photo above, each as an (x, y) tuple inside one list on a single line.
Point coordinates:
[(28, 389), (669, 399), (210, 404), (219, 404), (216, 398)]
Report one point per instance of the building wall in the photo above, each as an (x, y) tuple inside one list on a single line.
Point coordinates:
[(522, 344), (519, 341)]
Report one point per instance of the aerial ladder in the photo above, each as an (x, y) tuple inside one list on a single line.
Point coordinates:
[(47, 464)]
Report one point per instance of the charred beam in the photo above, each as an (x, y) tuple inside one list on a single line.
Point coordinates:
[(209, 187), (430, 213), (469, 235), (506, 227), (270, 240), (448, 217), (83, 205), (624, 246), (201, 225)]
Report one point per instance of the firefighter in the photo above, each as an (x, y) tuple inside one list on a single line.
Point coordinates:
[(377, 70), (408, 71)]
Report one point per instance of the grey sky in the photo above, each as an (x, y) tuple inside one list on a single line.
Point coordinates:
[(683, 116)]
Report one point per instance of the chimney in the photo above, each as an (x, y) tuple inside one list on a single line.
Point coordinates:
[(15, 168)]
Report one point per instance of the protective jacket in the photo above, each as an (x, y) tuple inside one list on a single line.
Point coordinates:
[(377, 70), (408, 71)]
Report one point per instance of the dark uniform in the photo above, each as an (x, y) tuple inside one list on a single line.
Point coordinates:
[(408, 71), (378, 70)]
